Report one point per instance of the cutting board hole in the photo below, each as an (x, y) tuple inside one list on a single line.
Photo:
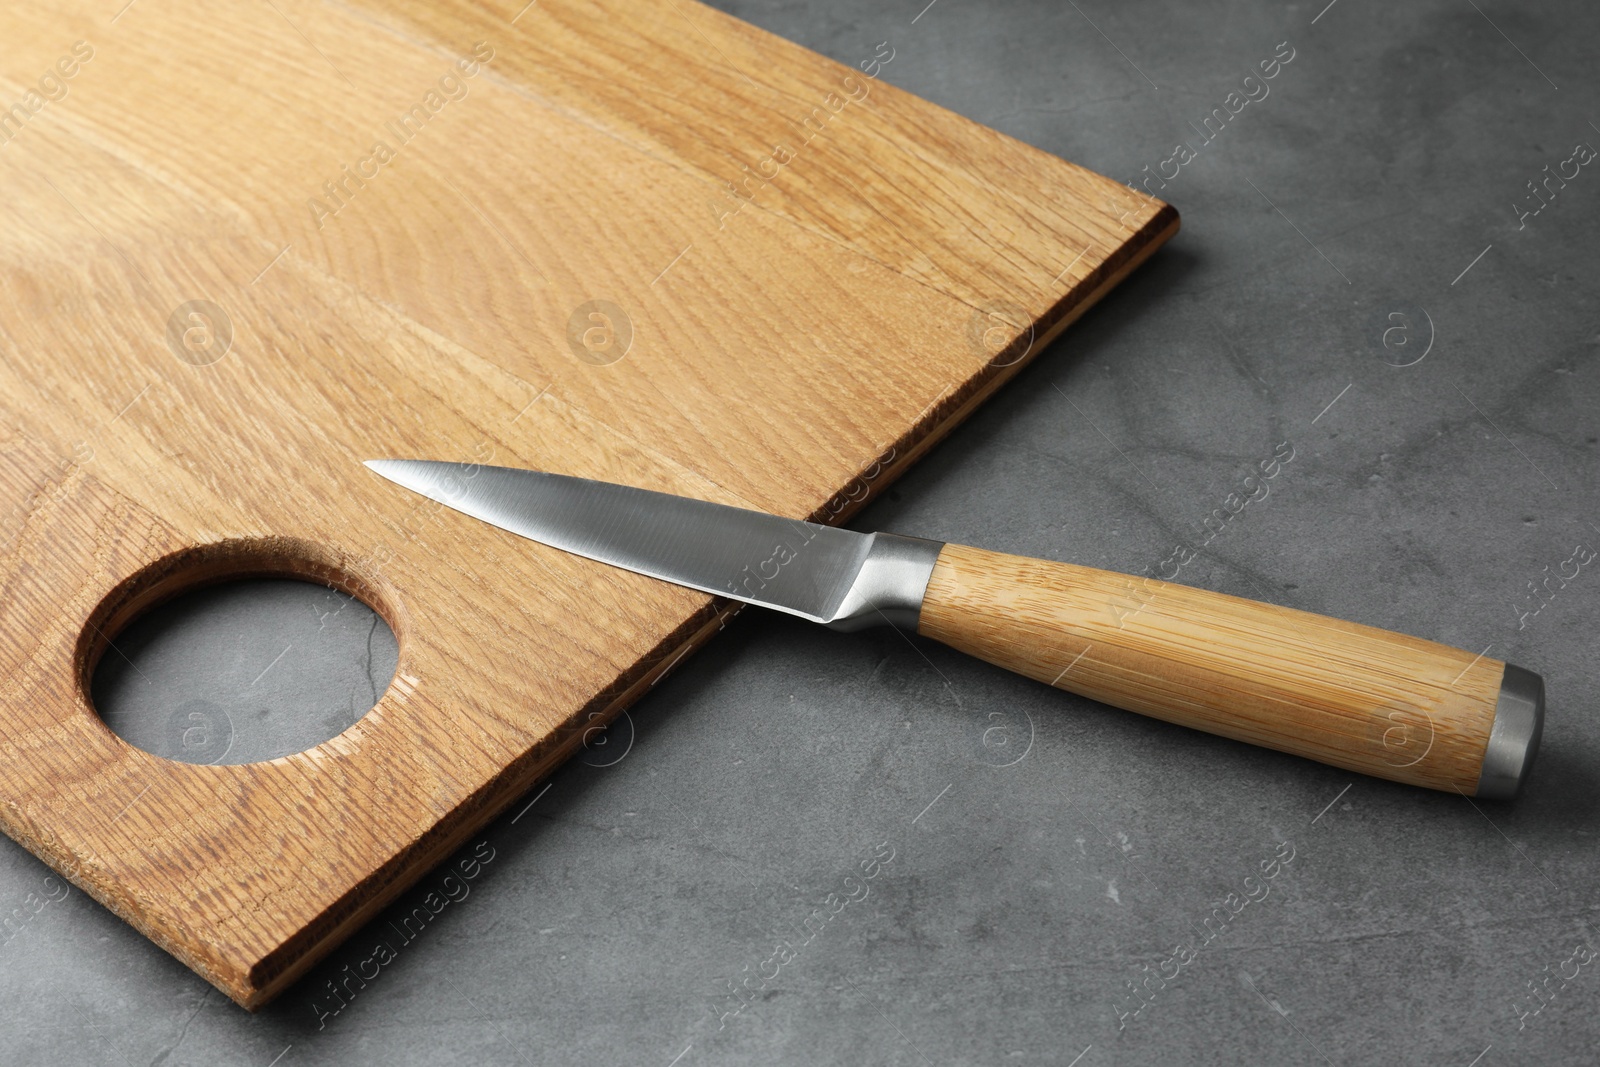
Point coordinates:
[(243, 671)]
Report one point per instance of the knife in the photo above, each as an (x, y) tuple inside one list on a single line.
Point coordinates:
[(1353, 696)]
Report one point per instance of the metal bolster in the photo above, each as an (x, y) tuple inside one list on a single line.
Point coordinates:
[(890, 584), (1514, 737)]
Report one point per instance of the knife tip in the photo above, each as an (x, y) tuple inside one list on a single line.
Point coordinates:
[(392, 469), (414, 474)]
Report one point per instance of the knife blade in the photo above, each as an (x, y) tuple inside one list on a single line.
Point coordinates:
[(1353, 696)]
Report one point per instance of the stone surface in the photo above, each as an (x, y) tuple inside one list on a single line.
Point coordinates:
[(1047, 851)]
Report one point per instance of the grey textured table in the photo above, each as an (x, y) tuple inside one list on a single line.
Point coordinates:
[(1021, 876)]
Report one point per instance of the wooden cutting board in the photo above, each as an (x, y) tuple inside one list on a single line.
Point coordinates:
[(247, 246)]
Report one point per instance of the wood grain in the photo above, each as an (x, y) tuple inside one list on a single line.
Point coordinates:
[(795, 342), (1357, 697)]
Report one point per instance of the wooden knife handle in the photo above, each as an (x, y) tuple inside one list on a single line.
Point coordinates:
[(1354, 696)]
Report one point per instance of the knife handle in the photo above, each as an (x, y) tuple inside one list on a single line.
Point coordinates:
[(1353, 696)]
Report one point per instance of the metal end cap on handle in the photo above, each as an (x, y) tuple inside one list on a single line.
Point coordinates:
[(1514, 737)]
